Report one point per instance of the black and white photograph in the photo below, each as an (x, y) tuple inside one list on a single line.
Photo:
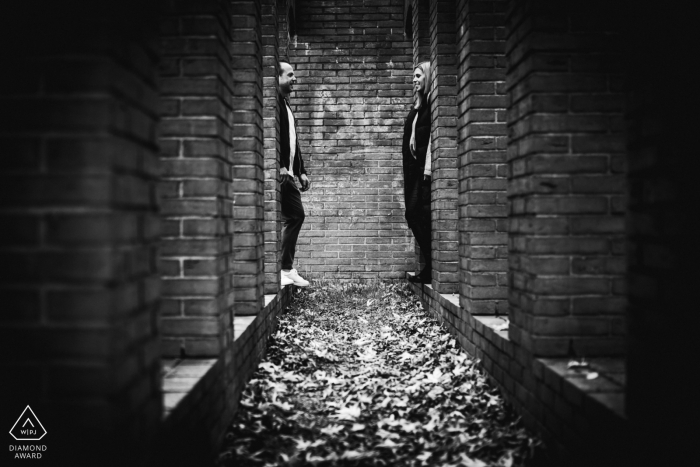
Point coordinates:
[(354, 233)]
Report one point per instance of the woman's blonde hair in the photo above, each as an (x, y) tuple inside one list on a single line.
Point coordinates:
[(421, 98)]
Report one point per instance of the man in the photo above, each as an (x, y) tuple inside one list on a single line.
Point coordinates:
[(291, 165)]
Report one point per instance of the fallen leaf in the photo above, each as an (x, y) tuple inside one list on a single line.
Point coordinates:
[(332, 430), (577, 364), (469, 462), (392, 375), (387, 443), (302, 444), (348, 413)]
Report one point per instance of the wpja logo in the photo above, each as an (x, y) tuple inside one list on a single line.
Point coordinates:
[(28, 428)]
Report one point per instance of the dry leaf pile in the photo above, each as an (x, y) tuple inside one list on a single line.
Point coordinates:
[(361, 375)]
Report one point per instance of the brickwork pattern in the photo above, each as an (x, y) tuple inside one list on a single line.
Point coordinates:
[(99, 199), (353, 94), (421, 30), (581, 421), (443, 99), (248, 156), (566, 182), (195, 189), (200, 396), (481, 148), (661, 233), (78, 249), (271, 146), (283, 7), (421, 52)]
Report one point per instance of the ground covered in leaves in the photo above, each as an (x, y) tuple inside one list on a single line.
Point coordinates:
[(361, 375)]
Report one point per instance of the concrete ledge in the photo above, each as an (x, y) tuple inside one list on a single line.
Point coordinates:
[(578, 418), (180, 378), (606, 390), (201, 396)]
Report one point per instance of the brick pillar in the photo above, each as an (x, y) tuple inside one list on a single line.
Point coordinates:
[(421, 30), (282, 29), (566, 181), (248, 157), (420, 10), (78, 278), (273, 218), (444, 145), (196, 160), (481, 146), (662, 234)]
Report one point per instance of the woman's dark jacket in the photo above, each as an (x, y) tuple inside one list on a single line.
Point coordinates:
[(284, 140), (413, 167)]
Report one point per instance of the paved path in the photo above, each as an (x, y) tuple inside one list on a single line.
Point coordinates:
[(360, 375)]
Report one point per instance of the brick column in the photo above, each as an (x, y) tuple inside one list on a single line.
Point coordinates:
[(662, 234), (444, 145), (282, 28), (273, 218), (421, 30), (78, 278), (248, 186), (481, 147), (566, 181), (420, 11), (195, 140)]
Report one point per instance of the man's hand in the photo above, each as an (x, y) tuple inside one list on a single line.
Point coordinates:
[(305, 183), (427, 179), (285, 176)]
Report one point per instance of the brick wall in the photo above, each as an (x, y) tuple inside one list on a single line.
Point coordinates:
[(196, 160), (283, 18), (443, 100), (580, 421), (273, 218), (662, 233), (481, 147), (353, 65), (79, 275), (420, 10), (566, 181), (248, 157), (78, 264), (202, 395)]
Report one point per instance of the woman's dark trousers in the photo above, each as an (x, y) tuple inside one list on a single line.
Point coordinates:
[(292, 220), (417, 199)]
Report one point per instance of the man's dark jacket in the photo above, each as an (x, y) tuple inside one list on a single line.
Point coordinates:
[(284, 139)]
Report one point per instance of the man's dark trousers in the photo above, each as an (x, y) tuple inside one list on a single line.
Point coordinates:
[(292, 219)]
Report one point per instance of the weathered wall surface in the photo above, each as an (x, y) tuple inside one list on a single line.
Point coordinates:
[(566, 184), (661, 234), (78, 249), (115, 115), (354, 92)]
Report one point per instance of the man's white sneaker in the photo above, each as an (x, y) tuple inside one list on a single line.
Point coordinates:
[(286, 280), (295, 278)]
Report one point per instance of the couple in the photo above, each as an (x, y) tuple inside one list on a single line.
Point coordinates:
[(416, 172)]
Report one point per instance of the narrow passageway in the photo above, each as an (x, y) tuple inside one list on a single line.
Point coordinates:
[(361, 375)]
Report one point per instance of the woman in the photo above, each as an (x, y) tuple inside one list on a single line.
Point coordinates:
[(416, 168)]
